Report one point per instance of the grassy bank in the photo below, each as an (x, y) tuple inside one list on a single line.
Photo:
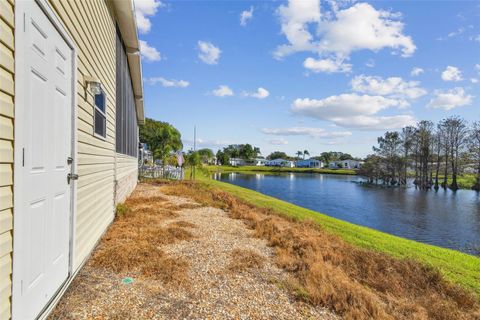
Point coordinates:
[(465, 181), (458, 267), (266, 170)]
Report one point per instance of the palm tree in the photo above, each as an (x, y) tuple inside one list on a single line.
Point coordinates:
[(256, 151), (161, 137), (299, 154), (305, 152)]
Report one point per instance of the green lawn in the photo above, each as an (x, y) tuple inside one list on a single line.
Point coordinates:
[(465, 181), (264, 169), (458, 267)]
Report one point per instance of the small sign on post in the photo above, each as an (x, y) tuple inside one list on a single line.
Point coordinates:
[(180, 159)]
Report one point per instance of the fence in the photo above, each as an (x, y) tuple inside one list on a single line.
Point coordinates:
[(167, 172)]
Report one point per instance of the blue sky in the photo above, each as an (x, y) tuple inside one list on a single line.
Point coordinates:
[(315, 75)]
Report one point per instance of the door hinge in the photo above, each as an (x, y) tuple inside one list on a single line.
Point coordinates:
[(23, 157), (24, 22)]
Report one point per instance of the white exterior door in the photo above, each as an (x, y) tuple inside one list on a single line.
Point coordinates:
[(42, 218)]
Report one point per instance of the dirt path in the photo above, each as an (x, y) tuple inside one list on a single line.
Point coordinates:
[(231, 275)]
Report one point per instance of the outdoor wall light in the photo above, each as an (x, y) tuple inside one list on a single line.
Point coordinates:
[(94, 83)]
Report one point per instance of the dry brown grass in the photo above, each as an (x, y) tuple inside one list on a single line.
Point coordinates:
[(183, 224), (327, 271), (133, 242), (182, 206), (245, 259)]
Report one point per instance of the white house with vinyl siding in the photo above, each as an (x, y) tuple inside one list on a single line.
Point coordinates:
[(346, 164), (280, 163), (309, 163), (71, 101)]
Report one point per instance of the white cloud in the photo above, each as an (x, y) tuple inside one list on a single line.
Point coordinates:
[(208, 53), (416, 72), (377, 122), (394, 87), (477, 67), (354, 111), (207, 143), (222, 91), (149, 53), (278, 142), (363, 27), (475, 38), (344, 105), (341, 32), (143, 10), (326, 65), (452, 74), (458, 32), (450, 99), (261, 93), (306, 131), (245, 16), (474, 80), (295, 18), (370, 63), (167, 83), (463, 32)]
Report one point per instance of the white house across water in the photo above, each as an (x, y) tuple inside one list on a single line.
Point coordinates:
[(242, 162), (280, 163), (309, 163), (346, 164)]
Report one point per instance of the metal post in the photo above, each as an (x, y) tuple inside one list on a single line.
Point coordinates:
[(194, 147)]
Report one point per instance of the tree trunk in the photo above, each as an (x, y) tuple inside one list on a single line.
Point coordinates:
[(445, 175), (477, 185), (416, 172), (406, 167), (454, 185), (436, 172)]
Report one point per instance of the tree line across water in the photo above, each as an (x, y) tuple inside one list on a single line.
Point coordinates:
[(248, 152), (433, 154), (163, 140)]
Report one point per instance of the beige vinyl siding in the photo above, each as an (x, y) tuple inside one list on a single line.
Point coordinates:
[(92, 27), (126, 165), (6, 152), (127, 176)]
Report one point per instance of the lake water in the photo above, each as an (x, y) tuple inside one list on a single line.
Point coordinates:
[(443, 218)]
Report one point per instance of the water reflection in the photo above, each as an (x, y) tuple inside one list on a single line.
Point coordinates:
[(444, 218)]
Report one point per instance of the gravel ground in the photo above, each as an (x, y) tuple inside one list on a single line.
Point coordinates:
[(213, 290)]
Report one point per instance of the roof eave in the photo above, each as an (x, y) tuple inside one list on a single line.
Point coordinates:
[(125, 16)]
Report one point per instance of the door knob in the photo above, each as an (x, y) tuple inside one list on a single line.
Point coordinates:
[(72, 176)]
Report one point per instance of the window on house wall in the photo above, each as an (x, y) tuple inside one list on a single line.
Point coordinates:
[(100, 118), (126, 117)]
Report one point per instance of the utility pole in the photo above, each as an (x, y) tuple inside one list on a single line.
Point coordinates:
[(194, 147)]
